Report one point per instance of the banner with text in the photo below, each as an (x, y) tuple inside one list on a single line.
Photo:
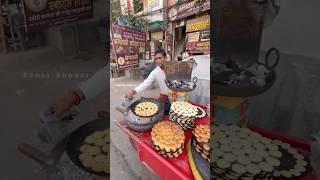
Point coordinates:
[(42, 14), (127, 44), (198, 24), (198, 47)]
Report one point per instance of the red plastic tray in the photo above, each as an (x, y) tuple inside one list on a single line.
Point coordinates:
[(166, 168), (178, 168), (302, 146)]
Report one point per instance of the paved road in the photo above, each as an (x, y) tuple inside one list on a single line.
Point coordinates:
[(124, 152)]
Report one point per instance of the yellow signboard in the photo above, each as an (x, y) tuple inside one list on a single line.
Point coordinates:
[(198, 24)]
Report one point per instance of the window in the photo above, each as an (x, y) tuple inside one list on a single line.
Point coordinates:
[(138, 6)]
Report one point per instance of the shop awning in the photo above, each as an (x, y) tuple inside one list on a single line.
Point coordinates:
[(155, 25)]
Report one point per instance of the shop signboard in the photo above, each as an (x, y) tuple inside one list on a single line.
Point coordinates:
[(198, 24), (153, 3), (169, 38), (198, 47), (193, 37), (42, 14), (127, 44), (187, 9)]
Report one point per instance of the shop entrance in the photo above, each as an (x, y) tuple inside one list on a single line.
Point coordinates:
[(180, 41)]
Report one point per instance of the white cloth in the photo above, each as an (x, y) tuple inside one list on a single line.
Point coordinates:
[(201, 94), (156, 75), (96, 85)]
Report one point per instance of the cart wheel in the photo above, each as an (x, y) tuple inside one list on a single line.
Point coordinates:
[(134, 145)]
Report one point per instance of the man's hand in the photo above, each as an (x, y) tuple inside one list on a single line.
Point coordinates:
[(62, 105), (131, 94), (65, 103)]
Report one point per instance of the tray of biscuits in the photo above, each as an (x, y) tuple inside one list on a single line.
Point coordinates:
[(184, 113), (240, 153), (168, 139), (201, 139)]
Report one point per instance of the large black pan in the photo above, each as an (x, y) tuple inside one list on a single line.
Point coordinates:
[(225, 90), (142, 100), (76, 140)]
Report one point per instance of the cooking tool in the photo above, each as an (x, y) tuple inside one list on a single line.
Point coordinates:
[(52, 161), (246, 91), (53, 129), (141, 123), (180, 71), (76, 140), (182, 86)]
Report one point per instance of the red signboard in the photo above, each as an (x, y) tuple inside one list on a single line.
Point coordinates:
[(127, 44), (41, 14), (198, 47)]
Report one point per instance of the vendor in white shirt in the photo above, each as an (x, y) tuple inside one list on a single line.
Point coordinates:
[(156, 75)]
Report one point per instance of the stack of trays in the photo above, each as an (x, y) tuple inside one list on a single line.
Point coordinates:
[(168, 139), (201, 140), (240, 153), (184, 114)]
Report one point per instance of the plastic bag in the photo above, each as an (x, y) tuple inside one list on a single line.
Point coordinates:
[(147, 69)]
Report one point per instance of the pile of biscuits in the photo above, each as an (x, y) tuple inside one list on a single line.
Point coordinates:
[(168, 139), (94, 152), (239, 153), (201, 140), (183, 113), (146, 109)]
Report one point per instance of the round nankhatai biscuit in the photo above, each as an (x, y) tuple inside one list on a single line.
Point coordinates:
[(253, 169), (94, 150), (239, 169), (266, 167), (295, 172), (249, 150), (244, 160), (301, 162), (273, 161), (106, 131), (85, 157), (275, 153), (99, 167), (105, 148), (88, 163), (99, 142), (229, 157), (259, 146), (285, 145), (237, 152), (255, 158), (90, 139), (226, 148), (292, 151), (299, 168), (100, 158), (85, 148), (298, 156), (286, 174), (276, 173), (273, 147), (263, 153), (219, 152), (98, 134), (223, 164), (276, 142)]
